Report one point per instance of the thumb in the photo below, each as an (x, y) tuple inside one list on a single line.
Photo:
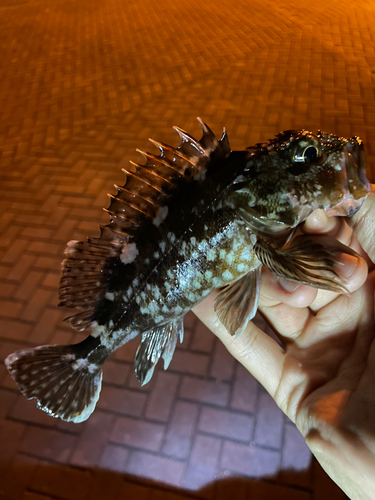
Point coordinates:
[(363, 224)]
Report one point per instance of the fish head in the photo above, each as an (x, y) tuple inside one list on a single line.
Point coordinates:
[(295, 173)]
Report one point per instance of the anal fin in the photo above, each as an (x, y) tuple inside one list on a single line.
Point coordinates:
[(155, 344), (237, 304)]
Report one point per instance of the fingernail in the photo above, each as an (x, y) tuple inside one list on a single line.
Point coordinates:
[(347, 265), (288, 286)]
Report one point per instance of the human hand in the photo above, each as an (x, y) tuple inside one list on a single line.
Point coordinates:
[(324, 377)]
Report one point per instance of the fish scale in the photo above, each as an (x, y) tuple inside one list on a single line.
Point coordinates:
[(190, 220)]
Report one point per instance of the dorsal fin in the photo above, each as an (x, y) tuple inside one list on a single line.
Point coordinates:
[(85, 270)]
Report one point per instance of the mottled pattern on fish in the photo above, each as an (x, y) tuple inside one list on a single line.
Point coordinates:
[(192, 219)]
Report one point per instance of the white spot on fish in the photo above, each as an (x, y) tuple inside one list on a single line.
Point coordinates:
[(110, 296), (227, 275), (160, 216), (208, 275), (147, 261), (99, 330), (159, 319), (156, 255), (171, 237), (143, 295), (167, 286), (170, 274), (337, 167), (211, 254), (129, 292), (156, 292), (216, 282), (222, 254), (241, 267), (148, 287), (196, 284), (162, 246), (178, 309), (192, 297), (165, 309), (144, 310), (138, 299), (193, 240), (110, 323), (135, 282), (129, 253), (246, 254), (230, 257)]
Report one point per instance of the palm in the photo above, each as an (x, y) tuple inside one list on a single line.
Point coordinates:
[(328, 366)]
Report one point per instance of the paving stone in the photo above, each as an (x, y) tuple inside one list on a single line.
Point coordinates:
[(204, 391), (226, 424), (156, 467), (181, 430), (249, 460), (137, 433), (269, 422), (162, 397), (48, 444), (203, 462)]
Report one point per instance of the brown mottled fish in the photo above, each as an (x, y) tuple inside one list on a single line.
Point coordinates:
[(190, 220)]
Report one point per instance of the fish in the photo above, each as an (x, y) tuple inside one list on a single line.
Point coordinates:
[(187, 221)]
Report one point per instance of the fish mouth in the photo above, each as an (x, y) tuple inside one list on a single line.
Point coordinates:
[(355, 185)]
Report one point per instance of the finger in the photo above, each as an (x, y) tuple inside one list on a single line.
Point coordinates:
[(363, 224), (257, 352)]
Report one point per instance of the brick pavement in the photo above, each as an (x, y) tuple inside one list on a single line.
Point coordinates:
[(81, 86)]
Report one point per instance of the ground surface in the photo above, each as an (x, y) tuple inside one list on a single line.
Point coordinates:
[(82, 84)]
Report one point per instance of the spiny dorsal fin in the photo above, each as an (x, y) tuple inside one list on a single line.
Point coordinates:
[(86, 268)]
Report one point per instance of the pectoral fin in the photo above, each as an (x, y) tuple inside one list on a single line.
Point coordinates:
[(309, 260), (237, 304), (155, 344)]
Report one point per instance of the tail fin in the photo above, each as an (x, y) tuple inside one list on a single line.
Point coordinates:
[(65, 385)]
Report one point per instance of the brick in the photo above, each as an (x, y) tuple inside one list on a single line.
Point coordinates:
[(92, 440), (249, 460), (48, 444), (13, 329), (26, 411), (63, 482), (10, 309), (204, 391), (245, 389), (180, 432), (122, 401), (21, 267), (164, 470), (28, 285), (43, 330), (161, 398), (137, 433), (7, 402), (114, 458), (115, 373), (203, 462), (269, 423), (223, 362), (189, 362), (36, 304), (226, 424)]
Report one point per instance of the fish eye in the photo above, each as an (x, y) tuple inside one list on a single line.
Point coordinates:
[(307, 153)]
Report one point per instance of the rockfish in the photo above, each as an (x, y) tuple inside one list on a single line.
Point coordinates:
[(190, 220)]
